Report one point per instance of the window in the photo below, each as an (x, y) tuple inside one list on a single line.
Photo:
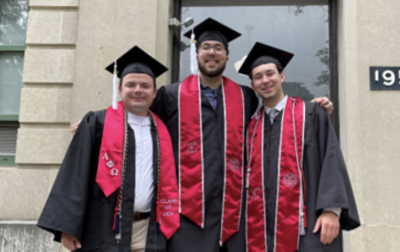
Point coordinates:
[(13, 19), (302, 30), (305, 27), (308, 28)]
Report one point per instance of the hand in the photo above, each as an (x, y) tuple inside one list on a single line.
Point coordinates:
[(329, 223), (70, 242), (74, 127), (325, 103)]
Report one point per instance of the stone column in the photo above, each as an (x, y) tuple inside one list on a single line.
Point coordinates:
[(370, 121), (106, 30), (69, 43)]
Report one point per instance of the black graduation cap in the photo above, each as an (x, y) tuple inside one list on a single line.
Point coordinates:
[(264, 54), (211, 29), (137, 61), (133, 61)]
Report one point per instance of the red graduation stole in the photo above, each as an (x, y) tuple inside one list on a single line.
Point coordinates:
[(191, 157), (290, 209), (111, 160)]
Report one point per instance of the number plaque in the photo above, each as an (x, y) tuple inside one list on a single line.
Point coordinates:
[(384, 78)]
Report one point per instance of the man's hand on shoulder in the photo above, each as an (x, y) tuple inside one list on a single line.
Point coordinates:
[(74, 127), (325, 103), (70, 242), (328, 222)]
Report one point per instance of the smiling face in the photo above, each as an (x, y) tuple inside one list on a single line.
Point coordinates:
[(211, 59), (267, 83), (137, 92)]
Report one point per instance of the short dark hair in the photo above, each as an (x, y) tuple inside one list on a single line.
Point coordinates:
[(279, 68)]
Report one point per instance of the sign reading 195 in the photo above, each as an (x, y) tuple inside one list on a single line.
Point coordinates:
[(384, 78)]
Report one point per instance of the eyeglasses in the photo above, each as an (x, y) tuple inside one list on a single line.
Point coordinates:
[(206, 48)]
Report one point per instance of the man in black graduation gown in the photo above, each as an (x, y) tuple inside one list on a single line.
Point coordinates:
[(78, 212), (212, 55), (321, 176)]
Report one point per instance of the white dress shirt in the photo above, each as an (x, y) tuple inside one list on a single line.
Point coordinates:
[(279, 107), (144, 178)]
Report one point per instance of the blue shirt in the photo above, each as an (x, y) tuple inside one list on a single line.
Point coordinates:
[(210, 94)]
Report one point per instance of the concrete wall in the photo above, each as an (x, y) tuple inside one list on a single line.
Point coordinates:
[(69, 43), (106, 30), (370, 120), (24, 236)]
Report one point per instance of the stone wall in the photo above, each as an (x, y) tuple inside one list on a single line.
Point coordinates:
[(369, 35), (18, 236), (69, 43)]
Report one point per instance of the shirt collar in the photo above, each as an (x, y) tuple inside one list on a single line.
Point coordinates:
[(138, 120), (205, 88), (279, 107)]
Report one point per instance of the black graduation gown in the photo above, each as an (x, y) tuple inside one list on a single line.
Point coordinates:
[(326, 178), (76, 204), (189, 236)]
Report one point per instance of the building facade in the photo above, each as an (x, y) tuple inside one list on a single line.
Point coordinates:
[(69, 43)]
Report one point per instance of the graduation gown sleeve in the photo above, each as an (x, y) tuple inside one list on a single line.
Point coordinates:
[(65, 208), (334, 188), (158, 104)]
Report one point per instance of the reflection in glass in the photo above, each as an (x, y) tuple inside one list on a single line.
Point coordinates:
[(13, 19), (302, 30), (11, 65)]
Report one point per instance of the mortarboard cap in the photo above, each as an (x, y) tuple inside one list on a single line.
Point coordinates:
[(263, 54), (211, 29), (137, 61), (133, 61)]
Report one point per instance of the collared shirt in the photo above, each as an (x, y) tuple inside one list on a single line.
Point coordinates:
[(279, 107), (144, 179), (210, 94)]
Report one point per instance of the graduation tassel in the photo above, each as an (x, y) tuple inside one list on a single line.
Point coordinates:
[(193, 60), (115, 87)]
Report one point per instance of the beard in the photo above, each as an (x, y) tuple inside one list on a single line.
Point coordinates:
[(212, 73)]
